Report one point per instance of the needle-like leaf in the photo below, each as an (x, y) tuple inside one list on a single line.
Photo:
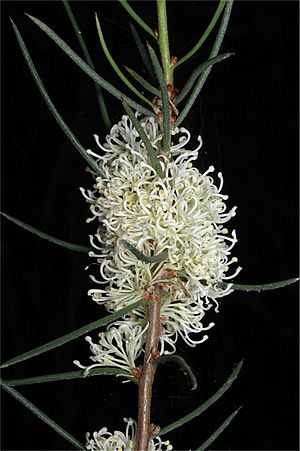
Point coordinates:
[(72, 335), (137, 18), (145, 258), (151, 151), (184, 367), (219, 431), (109, 371), (195, 74), (142, 51), (45, 236), (41, 415), (51, 106), (115, 66), (205, 34), (266, 286), (165, 100), (100, 97), (206, 404), (87, 69), (142, 81), (213, 53)]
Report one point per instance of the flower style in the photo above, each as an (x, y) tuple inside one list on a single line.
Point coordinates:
[(182, 213), (106, 441)]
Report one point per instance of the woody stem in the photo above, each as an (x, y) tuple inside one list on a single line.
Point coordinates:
[(148, 372)]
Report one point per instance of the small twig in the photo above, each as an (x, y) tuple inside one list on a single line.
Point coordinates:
[(148, 372)]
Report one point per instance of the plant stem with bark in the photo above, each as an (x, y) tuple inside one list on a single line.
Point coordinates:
[(144, 427)]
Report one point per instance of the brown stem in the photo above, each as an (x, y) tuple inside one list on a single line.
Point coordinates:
[(148, 372)]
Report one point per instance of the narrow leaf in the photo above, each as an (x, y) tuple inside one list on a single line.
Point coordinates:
[(51, 106), (219, 431), (41, 415), (206, 404), (213, 53), (264, 287), (115, 66), (165, 100), (45, 236), (153, 259), (142, 81), (151, 151), (142, 51), (72, 335), (195, 74), (205, 34), (86, 68), (88, 59), (137, 18), (184, 367), (109, 371)]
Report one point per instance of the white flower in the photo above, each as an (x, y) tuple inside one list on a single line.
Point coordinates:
[(182, 213), (106, 441), (118, 347)]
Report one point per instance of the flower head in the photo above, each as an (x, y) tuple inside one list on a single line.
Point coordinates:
[(182, 213)]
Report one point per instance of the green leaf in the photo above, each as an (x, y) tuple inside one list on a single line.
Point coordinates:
[(151, 151), (219, 431), (142, 81), (51, 106), (41, 415), (213, 53), (206, 404), (137, 18), (115, 66), (165, 100), (142, 51), (72, 335), (100, 98), (86, 68), (264, 287), (205, 34), (195, 74), (184, 367), (153, 259), (109, 371), (45, 236)]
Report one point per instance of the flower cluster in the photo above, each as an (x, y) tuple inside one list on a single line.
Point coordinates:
[(106, 441), (182, 214), (118, 347)]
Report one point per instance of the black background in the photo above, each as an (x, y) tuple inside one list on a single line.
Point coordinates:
[(247, 115)]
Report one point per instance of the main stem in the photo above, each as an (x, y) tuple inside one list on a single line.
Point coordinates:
[(144, 429), (163, 41)]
